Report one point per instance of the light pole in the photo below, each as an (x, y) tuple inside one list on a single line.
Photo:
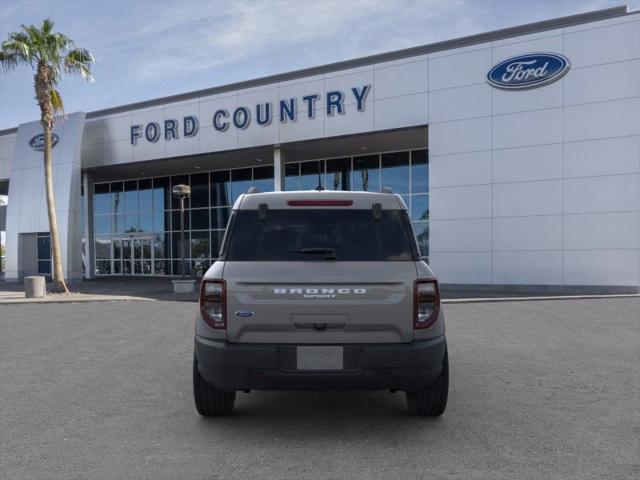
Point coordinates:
[(182, 192)]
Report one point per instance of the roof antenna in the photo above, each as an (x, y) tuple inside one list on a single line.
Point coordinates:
[(319, 188)]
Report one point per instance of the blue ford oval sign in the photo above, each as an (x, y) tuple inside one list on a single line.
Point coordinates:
[(37, 142), (528, 71)]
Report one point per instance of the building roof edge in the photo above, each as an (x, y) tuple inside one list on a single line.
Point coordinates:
[(475, 39)]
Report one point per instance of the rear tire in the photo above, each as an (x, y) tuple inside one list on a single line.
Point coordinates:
[(432, 401), (210, 402)]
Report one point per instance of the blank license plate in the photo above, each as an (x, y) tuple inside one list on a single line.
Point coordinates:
[(319, 358)]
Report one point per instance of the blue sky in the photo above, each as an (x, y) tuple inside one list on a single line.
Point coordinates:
[(149, 49)]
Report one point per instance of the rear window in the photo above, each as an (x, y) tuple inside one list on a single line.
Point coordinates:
[(320, 235)]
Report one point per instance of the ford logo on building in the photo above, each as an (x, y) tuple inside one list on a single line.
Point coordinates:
[(528, 71), (37, 142)]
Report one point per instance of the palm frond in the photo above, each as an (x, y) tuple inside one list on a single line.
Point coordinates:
[(47, 26), (9, 61), (79, 61), (56, 101)]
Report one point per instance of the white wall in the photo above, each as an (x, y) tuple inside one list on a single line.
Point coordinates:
[(539, 186), (398, 99), (27, 206), (7, 151)]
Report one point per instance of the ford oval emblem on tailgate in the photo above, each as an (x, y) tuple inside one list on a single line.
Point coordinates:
[(243, 314)]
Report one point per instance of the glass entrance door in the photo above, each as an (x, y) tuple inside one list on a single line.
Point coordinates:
[(132, 256), (142, 261)]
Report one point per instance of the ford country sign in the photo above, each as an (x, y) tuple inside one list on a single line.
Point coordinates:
[(37, 142), (528, 71)]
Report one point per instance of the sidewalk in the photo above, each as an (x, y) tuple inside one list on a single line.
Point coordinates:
[(103, 289)]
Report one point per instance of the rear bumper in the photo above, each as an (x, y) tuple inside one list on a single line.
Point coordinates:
[(406, 366)]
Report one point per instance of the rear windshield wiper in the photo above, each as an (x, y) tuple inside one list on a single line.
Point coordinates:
[(329, 253)]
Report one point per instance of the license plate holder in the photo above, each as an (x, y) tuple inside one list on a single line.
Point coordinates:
[(328, 357)]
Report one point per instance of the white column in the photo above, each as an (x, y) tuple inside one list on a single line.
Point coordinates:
[(87, 200), (278, 169)]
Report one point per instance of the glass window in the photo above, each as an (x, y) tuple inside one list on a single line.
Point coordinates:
[(179, 180), (240, 182), (339, 174), (162, 267), (101, 199), (161, 194), (161, 221), (419, 207), (179, 265), (200, 190), (200, 219), (200, 266), (421, 231), (219, 217), (117, 248), (44, 247), (160, 245), (309, 175), (145, 195), (263, 178), (44, 266), (395, 171), (117, 198), (131, 203), (292, 176), (103, 247), (175, 220), (146, 222), (175, 245), (102, 224), (200, 245), (103, 267), (366, 173), (322, 234), (419, 171), (220, 189), (117, 223), (131, 222), (216, 242)]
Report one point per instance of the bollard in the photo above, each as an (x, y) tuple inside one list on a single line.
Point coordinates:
[(34, 287)]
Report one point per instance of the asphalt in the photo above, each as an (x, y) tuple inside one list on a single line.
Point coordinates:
[(539, 390)]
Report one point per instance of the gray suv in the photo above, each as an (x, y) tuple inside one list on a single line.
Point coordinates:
[(320, 290)]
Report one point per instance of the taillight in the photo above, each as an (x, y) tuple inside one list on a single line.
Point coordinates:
[(426, 303), (213, 303)]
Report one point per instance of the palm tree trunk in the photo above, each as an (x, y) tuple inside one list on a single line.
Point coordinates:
[(59, 284)]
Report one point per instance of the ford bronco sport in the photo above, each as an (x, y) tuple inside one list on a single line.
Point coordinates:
[(320, 290)]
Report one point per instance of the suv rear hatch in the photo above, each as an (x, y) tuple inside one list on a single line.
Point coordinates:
[(323, 275)]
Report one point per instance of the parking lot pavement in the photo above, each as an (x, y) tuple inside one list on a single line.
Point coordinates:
[(546, 389)]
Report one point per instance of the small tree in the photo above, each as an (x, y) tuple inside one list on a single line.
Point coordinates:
[(49, 54)]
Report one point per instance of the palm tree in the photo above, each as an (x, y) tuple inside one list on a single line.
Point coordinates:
[(49, 54)]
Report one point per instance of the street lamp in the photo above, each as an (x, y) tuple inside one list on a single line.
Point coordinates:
[(182, 192)]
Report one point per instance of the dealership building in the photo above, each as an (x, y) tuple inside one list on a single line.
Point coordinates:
[(516, 151)]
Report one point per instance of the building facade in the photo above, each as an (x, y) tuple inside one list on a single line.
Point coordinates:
[(517, 152)]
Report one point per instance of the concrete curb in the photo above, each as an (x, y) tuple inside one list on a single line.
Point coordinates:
[(537, 299), (76, 299)]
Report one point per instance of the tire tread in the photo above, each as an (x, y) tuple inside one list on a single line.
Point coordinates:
[(211, 402)]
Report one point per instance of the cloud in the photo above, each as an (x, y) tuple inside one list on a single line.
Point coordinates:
[(148, 49), (191, 37)]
